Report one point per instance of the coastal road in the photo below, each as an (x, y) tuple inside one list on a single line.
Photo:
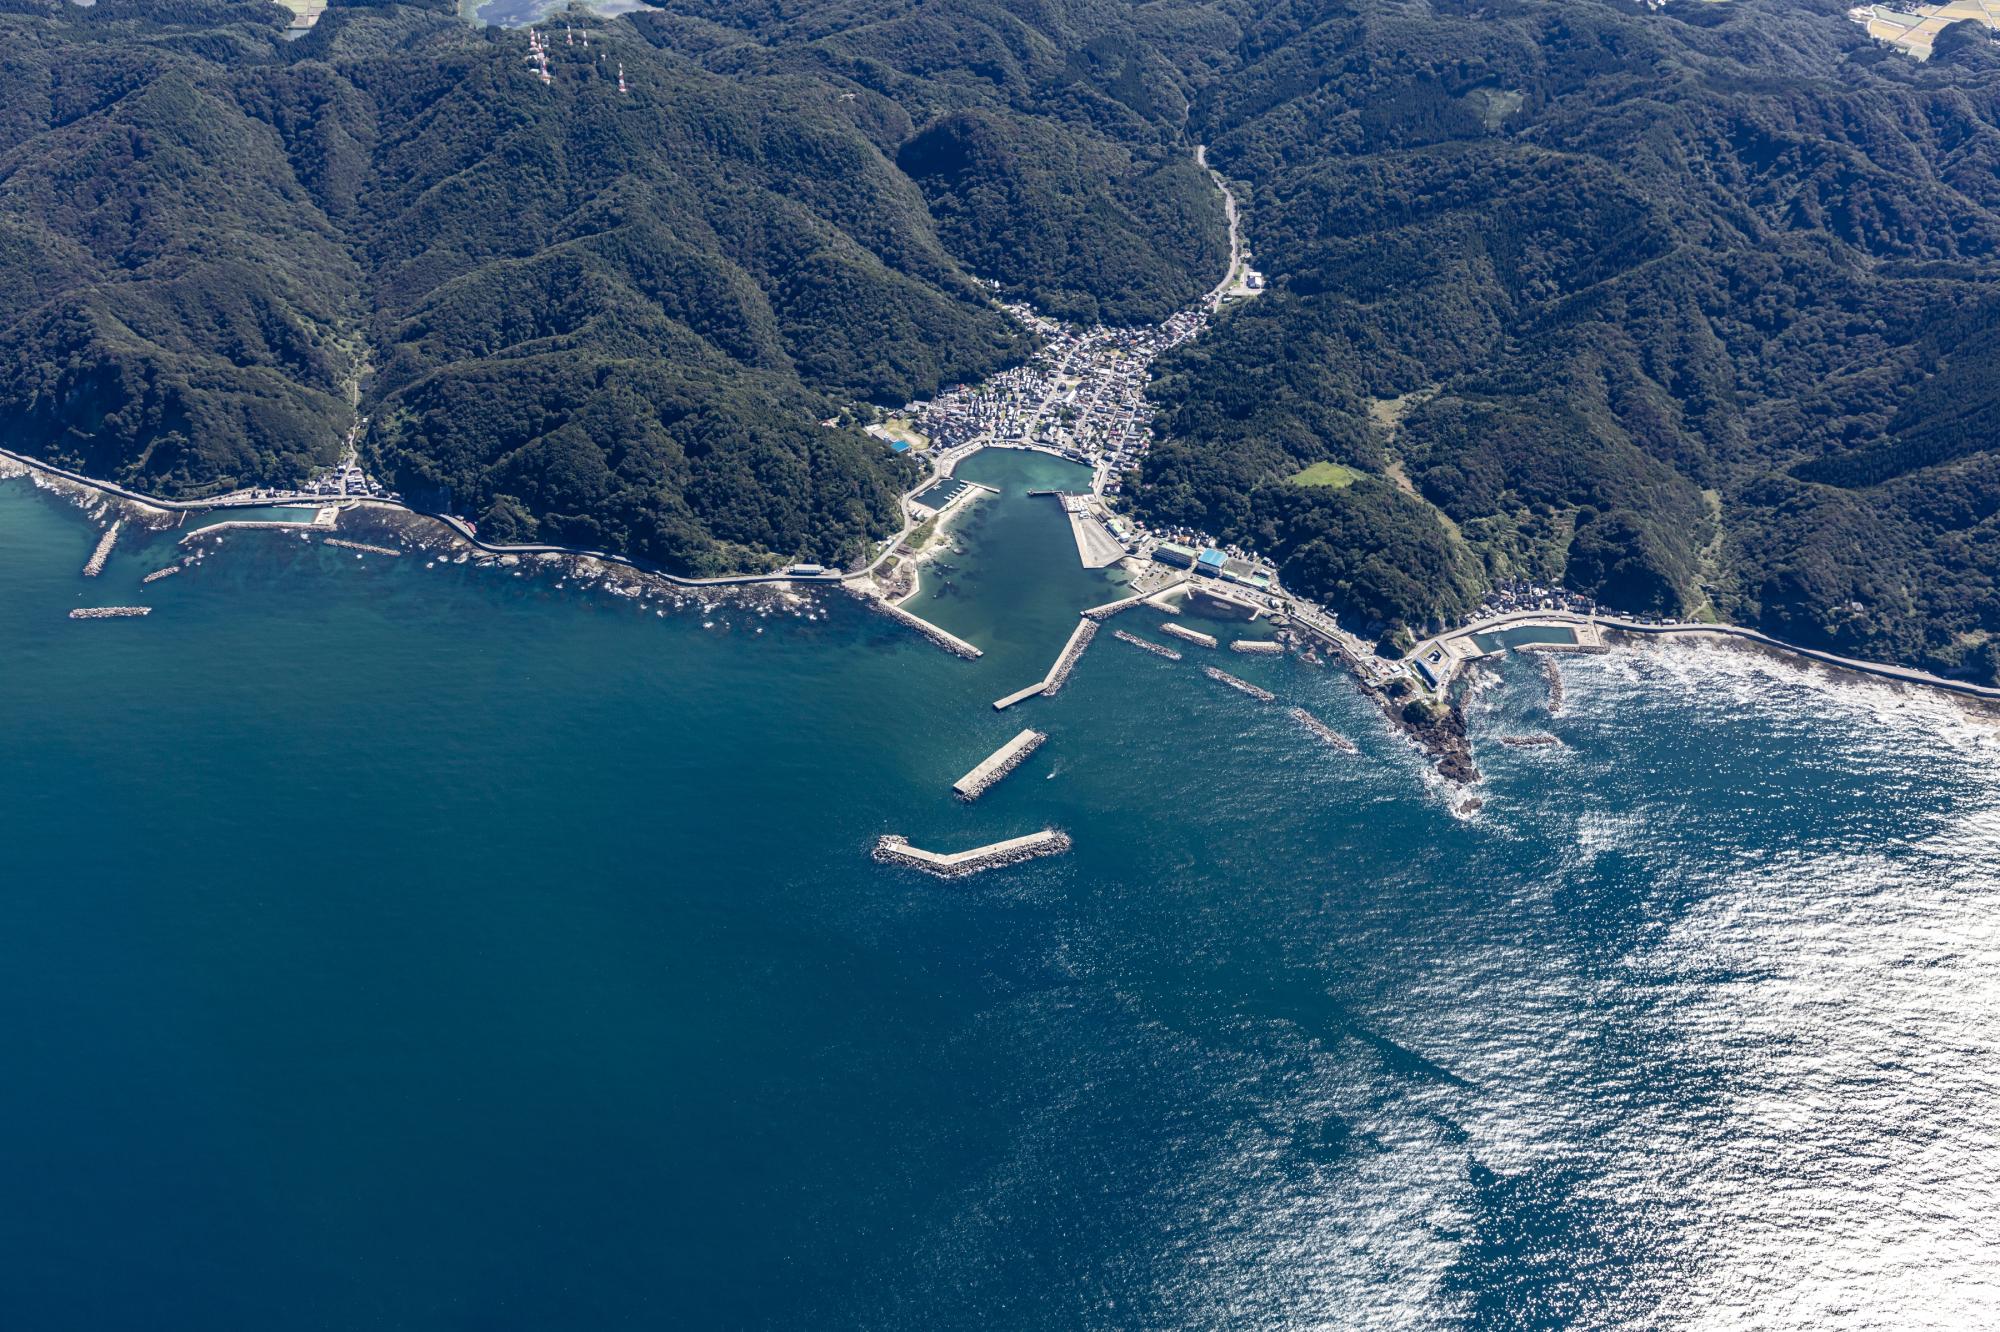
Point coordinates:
[(1883, 670)]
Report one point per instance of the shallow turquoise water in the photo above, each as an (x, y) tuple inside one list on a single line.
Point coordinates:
[(393, 947)]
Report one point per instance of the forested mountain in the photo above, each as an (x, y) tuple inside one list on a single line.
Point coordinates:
[(579, 315), (1691, 308)]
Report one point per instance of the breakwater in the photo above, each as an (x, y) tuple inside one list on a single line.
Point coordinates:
[(998, 764), (1146, 646), (1552, 675), (1072, 652), (950, 642), (158, 574), (1323, 731), (345, 544), (894, 850), (1079, 639), (243, 525), (1224, 677), (1528, 741), (108, 612), (1194, 636), (95, 566), (1265, 647)]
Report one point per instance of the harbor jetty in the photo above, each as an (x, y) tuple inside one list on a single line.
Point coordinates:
[(158, 574), (108, 612), (1111, 608), (950, 642), (1224, 677), (1323, 731), (998, 764), (894, 850), (1146, 646), (1263, 647), (345, 544), (1194, 636), (1079, 639), (95, 566)]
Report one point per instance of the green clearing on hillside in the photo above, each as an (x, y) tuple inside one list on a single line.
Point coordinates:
[(1337, 476)]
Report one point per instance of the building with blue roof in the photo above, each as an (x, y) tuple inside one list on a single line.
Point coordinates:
[(1210, 562)]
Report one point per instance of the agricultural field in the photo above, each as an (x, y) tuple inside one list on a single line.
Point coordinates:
[(1914, 31)]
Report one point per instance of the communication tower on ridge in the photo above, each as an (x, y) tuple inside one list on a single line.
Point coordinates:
[(621, 79)]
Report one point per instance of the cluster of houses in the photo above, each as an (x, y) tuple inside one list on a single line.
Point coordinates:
[(1083, 395)]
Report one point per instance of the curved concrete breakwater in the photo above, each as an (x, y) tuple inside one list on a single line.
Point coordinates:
[(1144, 645), (1224, 677), (109, 612), (1323, 731), (998, 764), (894, 850)]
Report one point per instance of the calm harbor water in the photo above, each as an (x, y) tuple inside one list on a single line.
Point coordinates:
[(434, 948)]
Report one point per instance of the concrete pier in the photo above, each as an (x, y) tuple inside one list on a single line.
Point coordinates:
[(1018, 696), (1194, 636), (1111, 608), (95, 566), (894, 850), (998, 764), (1224, 677), (1143, 645)]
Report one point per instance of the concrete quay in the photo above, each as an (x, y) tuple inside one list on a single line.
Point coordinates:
[(1194, 636), (894, 850), (1146, 646), (998, 764)]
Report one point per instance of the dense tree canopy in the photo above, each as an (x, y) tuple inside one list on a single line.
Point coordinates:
[(573, 314), (1690, 308)]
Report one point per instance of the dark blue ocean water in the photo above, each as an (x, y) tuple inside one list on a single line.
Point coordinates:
[(393, 947)]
